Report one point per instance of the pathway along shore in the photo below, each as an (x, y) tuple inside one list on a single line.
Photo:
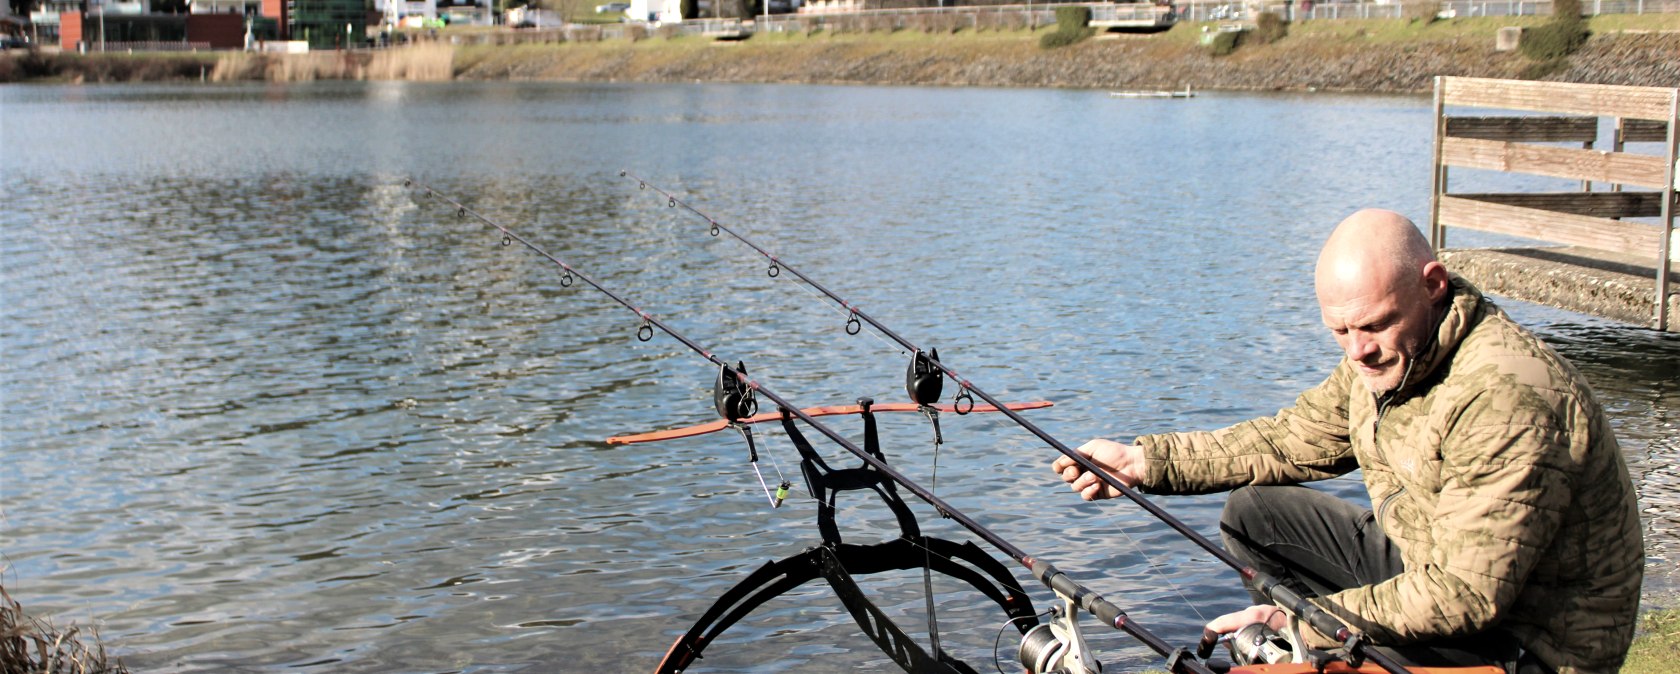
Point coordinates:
[(1378, 56)]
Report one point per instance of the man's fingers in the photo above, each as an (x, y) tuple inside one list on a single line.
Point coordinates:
[(1232, 622), (1091, 489)]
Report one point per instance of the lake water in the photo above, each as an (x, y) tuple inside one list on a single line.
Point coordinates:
[(265, 409)]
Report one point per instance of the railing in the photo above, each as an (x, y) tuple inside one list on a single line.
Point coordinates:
[(917, 18), (1137, 13), (1529, 144), (1211, 10), (112, 47), (1301, 10), (1017, 16), (724, 28)]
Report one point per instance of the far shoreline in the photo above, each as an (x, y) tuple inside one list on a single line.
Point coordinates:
[(1392, 56)]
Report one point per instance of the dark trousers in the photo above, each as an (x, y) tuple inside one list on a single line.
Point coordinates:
[(1319, 544)]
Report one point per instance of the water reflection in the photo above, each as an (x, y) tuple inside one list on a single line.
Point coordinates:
[(1637, 374), (267, 409)]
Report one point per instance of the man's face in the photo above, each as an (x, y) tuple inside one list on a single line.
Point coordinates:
[(1379, 325)]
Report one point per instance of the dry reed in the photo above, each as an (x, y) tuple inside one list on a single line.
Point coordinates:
[(419, 63), (30, 645), (422, 62)]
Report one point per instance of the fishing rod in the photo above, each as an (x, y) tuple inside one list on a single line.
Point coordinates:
[(734, 398), (1356, 644)]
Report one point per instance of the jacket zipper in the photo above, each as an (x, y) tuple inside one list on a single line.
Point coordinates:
[(1382, 510), (1376, 425)]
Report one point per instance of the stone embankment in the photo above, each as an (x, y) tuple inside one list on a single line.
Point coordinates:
[(1130, 62), (1340, 60)]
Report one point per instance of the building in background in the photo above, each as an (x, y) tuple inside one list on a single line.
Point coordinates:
[(655, 11), (425, 13), (327, 24), (49, 17)]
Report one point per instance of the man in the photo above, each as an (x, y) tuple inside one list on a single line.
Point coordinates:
[(1505, 528)]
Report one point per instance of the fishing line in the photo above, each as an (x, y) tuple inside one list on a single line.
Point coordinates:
[(781, 480), (927, 551), (997, 662), (1153, 566), (853, 326), (850, 317), (1357, 645), (832, 301), (1065, 587)]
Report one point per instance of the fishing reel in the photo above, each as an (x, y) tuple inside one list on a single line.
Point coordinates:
[(1056, 646), (1259, 644)]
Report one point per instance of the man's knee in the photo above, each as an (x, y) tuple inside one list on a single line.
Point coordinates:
[(1240, 519), (1243, 509)]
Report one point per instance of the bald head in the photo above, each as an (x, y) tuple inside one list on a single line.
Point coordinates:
[(1378, 284), (1372, 246)]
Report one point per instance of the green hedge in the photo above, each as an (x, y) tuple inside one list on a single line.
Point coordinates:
[(1225, 42), (1072, 19), (1553, 40), (1560, 37), (1058, 38), (1269, 27), (1072, 25)]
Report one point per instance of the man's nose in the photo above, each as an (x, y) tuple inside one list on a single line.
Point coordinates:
[(1360, 345)]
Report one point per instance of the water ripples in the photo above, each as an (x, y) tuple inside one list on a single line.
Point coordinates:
[(268, 410)]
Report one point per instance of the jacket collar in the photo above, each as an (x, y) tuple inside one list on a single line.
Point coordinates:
[(1460, 311)]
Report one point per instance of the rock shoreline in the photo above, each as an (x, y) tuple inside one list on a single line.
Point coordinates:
[(1344, 61), (1128, 62)]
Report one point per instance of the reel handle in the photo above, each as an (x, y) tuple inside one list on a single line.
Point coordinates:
[(1204, 648)]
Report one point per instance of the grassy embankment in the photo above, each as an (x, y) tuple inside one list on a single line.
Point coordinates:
[(1378, 55), (1657, 648)]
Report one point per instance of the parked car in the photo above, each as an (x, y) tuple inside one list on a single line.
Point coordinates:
[(612, 7)]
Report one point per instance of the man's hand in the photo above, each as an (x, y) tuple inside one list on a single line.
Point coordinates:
[(1273, 616), (1125, 462)]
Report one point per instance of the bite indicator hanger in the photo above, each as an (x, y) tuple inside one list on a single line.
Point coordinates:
[(924, 382), (733, 397)]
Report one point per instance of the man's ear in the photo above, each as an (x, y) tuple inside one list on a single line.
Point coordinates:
[(1436, 281)]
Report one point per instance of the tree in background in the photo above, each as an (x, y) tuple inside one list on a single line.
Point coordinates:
[(568, 10), (1073, 24), (1558, 38)]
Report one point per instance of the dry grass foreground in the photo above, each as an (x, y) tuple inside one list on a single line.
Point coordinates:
[(32, 646), (1655, 650), (29, 646)]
